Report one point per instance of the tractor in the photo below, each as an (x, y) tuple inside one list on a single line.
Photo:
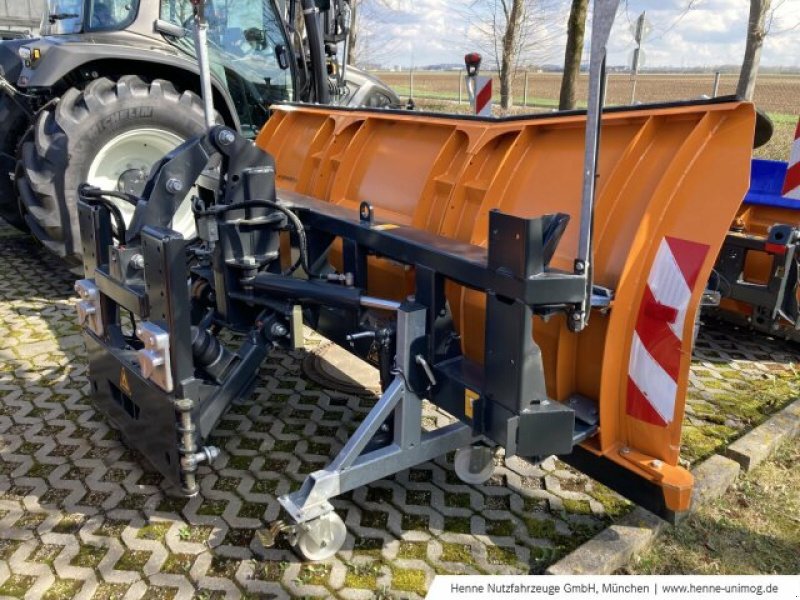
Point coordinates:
[(112, 85)]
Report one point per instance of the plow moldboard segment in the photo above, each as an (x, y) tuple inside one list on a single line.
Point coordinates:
[(657, 235)]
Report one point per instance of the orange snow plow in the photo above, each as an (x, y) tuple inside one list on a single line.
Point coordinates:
[(656, 239)]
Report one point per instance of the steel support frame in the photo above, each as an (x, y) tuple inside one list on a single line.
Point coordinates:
[(411, 446)]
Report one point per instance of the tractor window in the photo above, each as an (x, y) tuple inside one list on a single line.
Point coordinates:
[(62, 17), (245, 39), (110, 15)]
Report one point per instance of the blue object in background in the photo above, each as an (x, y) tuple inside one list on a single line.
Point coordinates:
[(766, 184)]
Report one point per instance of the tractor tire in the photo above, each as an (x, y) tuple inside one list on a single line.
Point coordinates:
[(14, 122), (108, 134)]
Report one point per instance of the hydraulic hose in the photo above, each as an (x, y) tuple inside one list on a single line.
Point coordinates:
[(293, 219), (93, 195), (322, 93)]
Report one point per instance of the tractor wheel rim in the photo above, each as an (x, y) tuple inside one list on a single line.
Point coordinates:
[(137, 150)]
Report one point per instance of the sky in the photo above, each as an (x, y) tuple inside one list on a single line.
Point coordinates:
[(711, 33)]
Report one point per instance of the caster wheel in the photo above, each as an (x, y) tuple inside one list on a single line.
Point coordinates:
[(474, 464), (321, 538)]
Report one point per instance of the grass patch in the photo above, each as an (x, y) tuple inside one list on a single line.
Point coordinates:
[(753, 529), (780, 144)]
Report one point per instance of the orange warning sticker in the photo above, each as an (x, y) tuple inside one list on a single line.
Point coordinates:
[(123, 381), (469, 399)]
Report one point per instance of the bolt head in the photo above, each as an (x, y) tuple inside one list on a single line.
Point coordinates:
[(656, 464), (624, 450), (174, 185), (226, 137)]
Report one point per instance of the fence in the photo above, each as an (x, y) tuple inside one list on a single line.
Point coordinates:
[(777, 94)]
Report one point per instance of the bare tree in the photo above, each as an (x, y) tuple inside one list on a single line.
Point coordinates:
[(513, 15), (511, 33), (576, 29), (369, 39), (756, 32)]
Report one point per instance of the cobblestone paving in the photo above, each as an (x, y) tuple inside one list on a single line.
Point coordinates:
[(81, 516)]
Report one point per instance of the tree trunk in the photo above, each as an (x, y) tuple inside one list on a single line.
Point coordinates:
[(576, 28), (509, 57), (756, 32), (353, 33)]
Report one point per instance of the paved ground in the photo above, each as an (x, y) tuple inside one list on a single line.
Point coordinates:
[(80, 516)]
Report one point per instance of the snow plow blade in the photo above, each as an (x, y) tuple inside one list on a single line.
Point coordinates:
[(657, 236)]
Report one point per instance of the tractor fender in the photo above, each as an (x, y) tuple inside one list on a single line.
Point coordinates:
[(64, 57)]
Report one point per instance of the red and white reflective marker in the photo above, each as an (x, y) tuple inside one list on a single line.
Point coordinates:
[(658, 339), (791, 185), (483, 96), (479, 88)]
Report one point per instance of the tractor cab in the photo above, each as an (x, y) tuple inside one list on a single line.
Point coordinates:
[(248, 44)]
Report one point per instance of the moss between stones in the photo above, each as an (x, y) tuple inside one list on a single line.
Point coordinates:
[(379, 495), (457, 524), (156, 592), (577, 507), (540, 528), (69, 524), (614, 505), (375, 519), (457, 553), (365, 546), (212, 508), (409, 580), (227, 484), (247, 443), (265, 486), (252, 510), (241, 463), (16, 586), (154, 531), (8, 547), (457, 500), (416, 550), (89, 556), (172, 505), (363, 576), (110, 591), (133, 560), (63, 589), (500, 528), (282, 446), (270, 570), (46, 554), (418, 497), (314, 574), (178, 563), (501, 556)]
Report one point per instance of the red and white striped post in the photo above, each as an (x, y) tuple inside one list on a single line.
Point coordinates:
[(791, 185), (479, 88)]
